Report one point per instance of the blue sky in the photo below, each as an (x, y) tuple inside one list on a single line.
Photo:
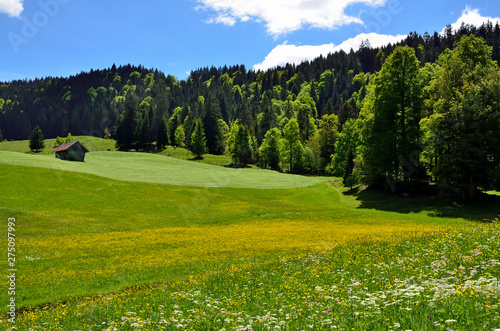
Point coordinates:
[(64, 37)]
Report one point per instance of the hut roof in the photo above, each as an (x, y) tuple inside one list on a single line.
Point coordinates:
[(65, 146)]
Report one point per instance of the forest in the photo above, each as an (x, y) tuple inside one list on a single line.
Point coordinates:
[(423, 114)]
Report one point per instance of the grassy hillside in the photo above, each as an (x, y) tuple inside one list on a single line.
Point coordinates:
[(127, 233), (142, 167), (116, 221), (93, 144), (184, 154)]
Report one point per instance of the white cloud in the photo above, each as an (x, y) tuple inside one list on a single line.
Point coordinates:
[(472, 17), (285, 53), (223, 19), (11, 7), (282, 16)]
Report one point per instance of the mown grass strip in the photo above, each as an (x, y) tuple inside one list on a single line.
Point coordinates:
[(151, 168)]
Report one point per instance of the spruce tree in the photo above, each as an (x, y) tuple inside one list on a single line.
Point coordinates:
[(198, 139), (244, 144), (127, 123), (211, 125), (162, 139), (37, 141)]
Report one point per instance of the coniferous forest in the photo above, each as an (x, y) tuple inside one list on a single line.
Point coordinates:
[(423, 113)]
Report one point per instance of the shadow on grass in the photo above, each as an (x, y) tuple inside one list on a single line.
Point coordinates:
[(237, 166), (484, 207)]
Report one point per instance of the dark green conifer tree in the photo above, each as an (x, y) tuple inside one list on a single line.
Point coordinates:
[(198, 139), (37, 141)]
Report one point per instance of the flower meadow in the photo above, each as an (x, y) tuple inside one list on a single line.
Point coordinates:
[(58, 267), (445, 280)]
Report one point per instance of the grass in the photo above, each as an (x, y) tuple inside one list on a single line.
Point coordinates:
[(78, 232), (93, 144), (484, 207), (448, 280), (130, 247), (151, 168), (184, 154)]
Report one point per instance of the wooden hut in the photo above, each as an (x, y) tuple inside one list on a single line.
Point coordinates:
[(73, 151)]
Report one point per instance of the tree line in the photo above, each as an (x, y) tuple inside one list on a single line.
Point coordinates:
[(381, 116)]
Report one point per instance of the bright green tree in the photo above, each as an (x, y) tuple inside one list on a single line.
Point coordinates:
[(311, 161), (59, 141), (198, 139), (345, 150), (144, 132), (461, 135), (107, 133), (291, 149), (174, 121), (224, 133), (391, 117), (37, 141), (269, 151), (240, 144), (180, 136), (305, 112), (328, 133)]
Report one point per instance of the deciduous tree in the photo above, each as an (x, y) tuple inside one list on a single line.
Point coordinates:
[(269, 151), (292, 150), (462, 136), (240, 144), (180, 136), (391, 117)]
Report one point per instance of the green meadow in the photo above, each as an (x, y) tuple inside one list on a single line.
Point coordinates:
[(152, 168), (93, 144), (128, 241)]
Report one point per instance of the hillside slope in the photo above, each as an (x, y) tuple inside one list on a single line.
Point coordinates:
[(150, 168)]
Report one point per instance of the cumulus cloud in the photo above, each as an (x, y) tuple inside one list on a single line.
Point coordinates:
[(223, 19), (282, 16), (285, 53), (11, 7), (472, 17)]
